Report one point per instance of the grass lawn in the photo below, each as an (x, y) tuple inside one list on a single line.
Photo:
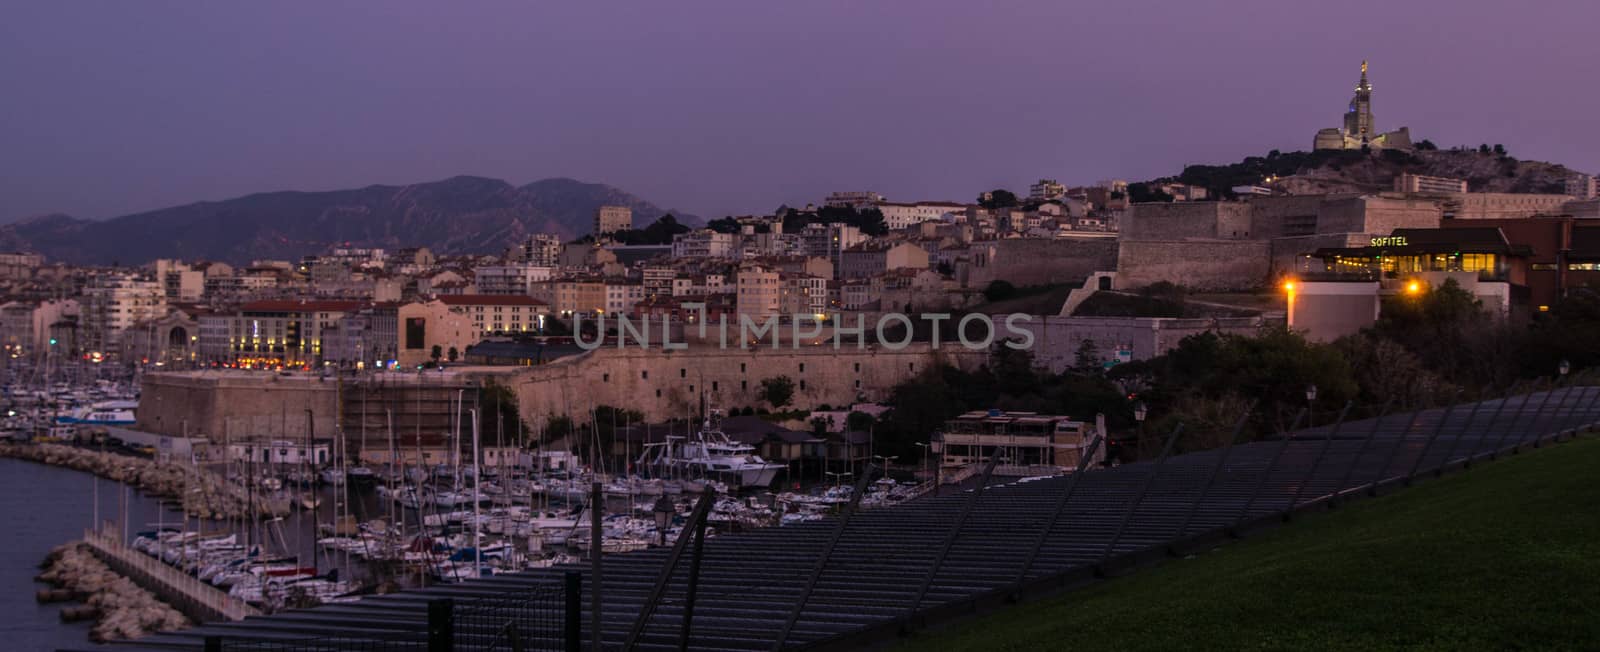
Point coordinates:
[(1505, 556)]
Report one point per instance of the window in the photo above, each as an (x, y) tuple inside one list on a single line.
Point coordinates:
[(858, 367), (713, 385), (644, 375), (858, 384), (802, 383), (658, 393), (802, 367), (683, 373), (744, 385), (605, 378), (741, 367)]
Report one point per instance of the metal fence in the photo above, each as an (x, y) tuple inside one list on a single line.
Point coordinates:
[(525, 619), (868, 575)]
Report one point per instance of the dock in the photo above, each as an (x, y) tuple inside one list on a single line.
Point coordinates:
[(196, 599)]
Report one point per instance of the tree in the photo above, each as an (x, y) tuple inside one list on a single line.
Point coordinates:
[(452, 354), (1483, 149), (1087, 358), (438, 352), (724, 225), (1499, 149), (858, 421), (997, 198), (777, 391), (1426, 146), (999, 290), (819, 426)]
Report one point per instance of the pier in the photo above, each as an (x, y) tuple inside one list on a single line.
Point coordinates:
[(864, 577), (196, 599)]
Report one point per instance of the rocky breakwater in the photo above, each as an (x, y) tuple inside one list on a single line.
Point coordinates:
[(202, 493), (124, 611)]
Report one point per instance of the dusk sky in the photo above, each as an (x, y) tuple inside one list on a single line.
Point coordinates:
[(108, 108)]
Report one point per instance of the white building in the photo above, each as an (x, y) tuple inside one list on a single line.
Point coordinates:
[(611, 219), (852, 199), (114, 302), (511, 279), (542, 249), (703, 243), (758, 292), (1581, 186), (622, 295), (898, 215), (1046, 190)]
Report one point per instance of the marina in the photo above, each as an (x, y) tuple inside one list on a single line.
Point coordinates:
[(252, 526)]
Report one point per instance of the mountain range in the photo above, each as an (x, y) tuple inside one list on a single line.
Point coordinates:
[(459, 215)]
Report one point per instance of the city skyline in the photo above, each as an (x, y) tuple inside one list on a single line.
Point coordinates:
[(735, 109)]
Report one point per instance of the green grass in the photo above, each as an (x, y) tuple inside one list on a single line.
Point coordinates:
[(1505, 556)]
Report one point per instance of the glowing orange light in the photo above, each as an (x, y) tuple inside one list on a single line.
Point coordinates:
[(1288, 286), (1414, 287)]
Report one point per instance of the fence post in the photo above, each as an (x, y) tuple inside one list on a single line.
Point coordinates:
[(1550, 390), (1488, 430), (1371, 488), (1428, 445), (596, 539), (1205, 492), (1316, 463), (950, 539), (572, 629), (1500, 443), (694, 572), (1350, 471), (441, 625), (668, 567), (867, 477), (1050, 521), (1451, 453), (1138, 498), (1244, 512)]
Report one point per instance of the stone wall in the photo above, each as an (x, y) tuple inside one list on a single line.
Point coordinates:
[(1179, 220), (1057, 339), (220, 404), (1504, 205), (1196, 264), (1039, 261), (669, 384)]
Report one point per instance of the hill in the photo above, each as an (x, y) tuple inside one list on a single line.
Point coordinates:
[(1332, 171), (459, 215)]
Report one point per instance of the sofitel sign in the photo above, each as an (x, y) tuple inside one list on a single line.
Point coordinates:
[(1389, 241)]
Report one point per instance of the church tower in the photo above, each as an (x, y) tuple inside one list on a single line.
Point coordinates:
[(1358, 120)]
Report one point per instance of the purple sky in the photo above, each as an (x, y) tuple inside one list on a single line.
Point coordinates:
[(715, 108)]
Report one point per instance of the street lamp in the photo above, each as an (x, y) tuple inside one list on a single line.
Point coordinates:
[(1311, 402), (663, 512)]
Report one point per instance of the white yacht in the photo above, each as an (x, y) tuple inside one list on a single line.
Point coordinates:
[(103, 413), (710, 453)]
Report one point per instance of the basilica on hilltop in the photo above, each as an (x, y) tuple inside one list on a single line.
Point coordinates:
[(1359, 131)]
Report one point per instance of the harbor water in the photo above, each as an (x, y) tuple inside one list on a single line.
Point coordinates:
[(46, 506)]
